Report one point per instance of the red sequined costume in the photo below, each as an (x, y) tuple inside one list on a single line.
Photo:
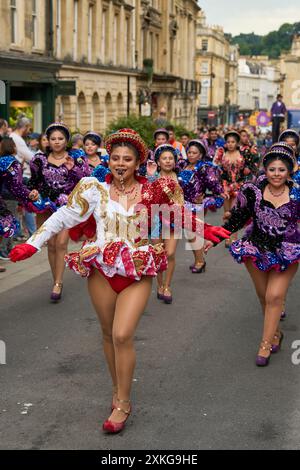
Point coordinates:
[(120, 246)]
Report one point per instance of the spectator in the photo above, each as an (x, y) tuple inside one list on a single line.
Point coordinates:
[(161, 121), (213, 141), (3, 128), (177, 145), (278, 113), (184, 139), (24, 156), (33, 142), (43, 143), (77, 141)]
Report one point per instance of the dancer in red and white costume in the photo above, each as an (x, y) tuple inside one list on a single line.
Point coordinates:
[(119, 266)]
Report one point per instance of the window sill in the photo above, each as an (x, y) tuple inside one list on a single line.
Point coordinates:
[(15, 47), (36, 50)]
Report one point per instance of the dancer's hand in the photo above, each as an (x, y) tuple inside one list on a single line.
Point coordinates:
[(69, 163), (207, 246), (151, 168), (225, 195), (21, 252), (226, 216), (215, 234)]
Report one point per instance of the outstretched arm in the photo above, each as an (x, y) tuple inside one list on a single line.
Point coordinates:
[(81, 204)]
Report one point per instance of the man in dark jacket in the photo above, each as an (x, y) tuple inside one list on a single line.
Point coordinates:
[(278, 112)]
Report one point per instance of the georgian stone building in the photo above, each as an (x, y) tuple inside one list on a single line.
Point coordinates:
[(87, 62), (290, 74), (217, 69)]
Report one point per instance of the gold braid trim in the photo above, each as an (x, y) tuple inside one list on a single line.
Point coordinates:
[(175, 196), (38, 232), (76, 196)]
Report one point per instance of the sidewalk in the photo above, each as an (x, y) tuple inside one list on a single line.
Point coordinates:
[(18, 273)]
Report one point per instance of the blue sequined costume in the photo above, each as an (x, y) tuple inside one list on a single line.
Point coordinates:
[(11, 178)]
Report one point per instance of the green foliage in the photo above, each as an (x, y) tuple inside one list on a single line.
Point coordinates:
[(272, 44), (145, 126), (17, 113)]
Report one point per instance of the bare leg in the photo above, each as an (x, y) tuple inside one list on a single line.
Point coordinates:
[(277, 288), (160, 275), (260, 281), (170, 246), (40, 219), (104, 301), (130, 305), (61, 247), (199, 258)]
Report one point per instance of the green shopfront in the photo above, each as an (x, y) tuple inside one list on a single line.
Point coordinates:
[(31, 88)]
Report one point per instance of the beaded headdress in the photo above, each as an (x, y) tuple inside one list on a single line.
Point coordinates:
[(289, 133), (201, 145), (161, 131), (284, 152), (128, 136), (96, 137), (233, 134), (165, 148), (58, 126)]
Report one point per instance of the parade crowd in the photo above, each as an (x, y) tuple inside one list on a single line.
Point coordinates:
[(56, 186)]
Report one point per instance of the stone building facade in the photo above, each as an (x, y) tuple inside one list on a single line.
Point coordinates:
[(217, 69), (290, 73), (88, 62)]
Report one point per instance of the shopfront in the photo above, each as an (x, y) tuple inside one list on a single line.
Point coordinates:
[(31, 88)]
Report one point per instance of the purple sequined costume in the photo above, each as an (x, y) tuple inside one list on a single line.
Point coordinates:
[(57, 182), (194, 183), (11, 180), (272, 240)]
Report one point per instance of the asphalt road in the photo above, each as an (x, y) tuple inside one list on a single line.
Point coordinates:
[(196, 385)]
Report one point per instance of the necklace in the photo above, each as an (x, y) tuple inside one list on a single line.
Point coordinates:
[(276, 195), (130, 194), (59, 158), (94, 159)]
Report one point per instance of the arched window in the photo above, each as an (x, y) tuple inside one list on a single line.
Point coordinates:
[(120, 105), (95, 113), (108, 111), (65, 109), (81, 113)]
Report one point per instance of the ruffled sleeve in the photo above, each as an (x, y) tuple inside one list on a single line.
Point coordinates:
[(81, 205), (243, 210), (14, 183)]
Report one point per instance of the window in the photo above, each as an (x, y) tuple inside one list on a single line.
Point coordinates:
[(204, 97), (204, 44), (75, 31), (103, 35), (126, 42), (14, 21), (58, 28), (115, 40), (204, 67), (34, 24), (90, 34)]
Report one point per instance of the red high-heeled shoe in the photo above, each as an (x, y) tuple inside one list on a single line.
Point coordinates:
[(113, 427)]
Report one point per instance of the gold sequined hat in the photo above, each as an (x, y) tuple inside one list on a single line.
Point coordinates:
[(128, 136)]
